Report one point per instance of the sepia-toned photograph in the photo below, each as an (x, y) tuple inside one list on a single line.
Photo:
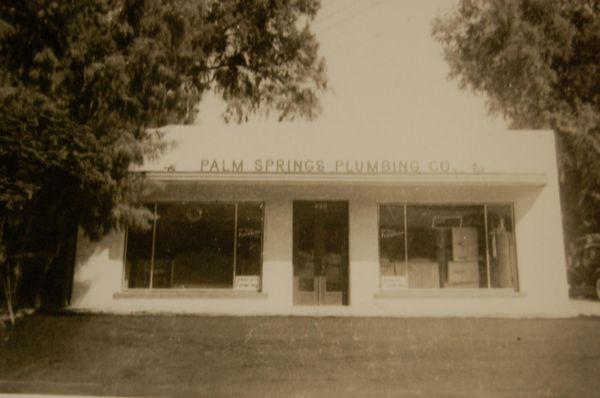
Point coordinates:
[(299, 198)]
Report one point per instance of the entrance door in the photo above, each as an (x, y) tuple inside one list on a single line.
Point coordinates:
[(320, 253)]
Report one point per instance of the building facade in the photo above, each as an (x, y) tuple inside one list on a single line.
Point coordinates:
[(436, 226)]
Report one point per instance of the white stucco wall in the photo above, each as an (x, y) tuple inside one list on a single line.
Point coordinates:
[(540, 252)]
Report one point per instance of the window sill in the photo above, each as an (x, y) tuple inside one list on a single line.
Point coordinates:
[(188, 293), (449, 293)]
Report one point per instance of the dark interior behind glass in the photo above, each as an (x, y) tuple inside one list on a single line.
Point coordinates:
[(194, 246)]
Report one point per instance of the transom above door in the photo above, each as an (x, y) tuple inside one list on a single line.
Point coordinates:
[(320, 253)]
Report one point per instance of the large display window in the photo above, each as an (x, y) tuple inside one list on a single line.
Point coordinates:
[(447, 246), (197, 245)]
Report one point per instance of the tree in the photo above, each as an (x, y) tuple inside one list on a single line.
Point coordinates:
[(85, 86), (538, 64)]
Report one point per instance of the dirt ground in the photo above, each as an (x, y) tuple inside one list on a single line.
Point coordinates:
[(301, 356)]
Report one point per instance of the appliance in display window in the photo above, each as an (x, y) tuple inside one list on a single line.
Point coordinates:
[(463, 269), (502, 257)]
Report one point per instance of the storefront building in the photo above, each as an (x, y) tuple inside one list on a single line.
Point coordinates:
[(467, 226)]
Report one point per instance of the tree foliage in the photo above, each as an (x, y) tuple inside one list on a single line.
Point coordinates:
[(538, 64), (85, 86)]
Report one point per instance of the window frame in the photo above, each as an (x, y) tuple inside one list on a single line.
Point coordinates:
[(516, 288), (235, 203)]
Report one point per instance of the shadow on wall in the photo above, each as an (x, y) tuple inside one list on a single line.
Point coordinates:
[(526, 200)]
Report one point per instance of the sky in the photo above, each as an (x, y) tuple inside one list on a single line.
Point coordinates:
[(388, 84)]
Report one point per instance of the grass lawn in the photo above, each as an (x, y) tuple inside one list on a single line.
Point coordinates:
[(293, 356)]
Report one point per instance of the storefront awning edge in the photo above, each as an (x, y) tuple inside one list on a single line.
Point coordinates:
[(417, 179)]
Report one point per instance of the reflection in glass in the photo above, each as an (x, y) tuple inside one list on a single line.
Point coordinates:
[(392, 255), (249, 239), (193, 246), (305, 248), (139, 251), (333, 248)]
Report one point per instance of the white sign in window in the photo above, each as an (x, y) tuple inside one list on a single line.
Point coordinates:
[(247, 283)]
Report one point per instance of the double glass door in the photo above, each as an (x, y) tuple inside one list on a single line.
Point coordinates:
[(320, 253)]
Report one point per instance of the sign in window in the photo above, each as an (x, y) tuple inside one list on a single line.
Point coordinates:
[(197, 245), (446, 246)]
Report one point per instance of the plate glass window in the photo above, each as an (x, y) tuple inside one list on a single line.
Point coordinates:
[(447, 246), (197, 245)]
